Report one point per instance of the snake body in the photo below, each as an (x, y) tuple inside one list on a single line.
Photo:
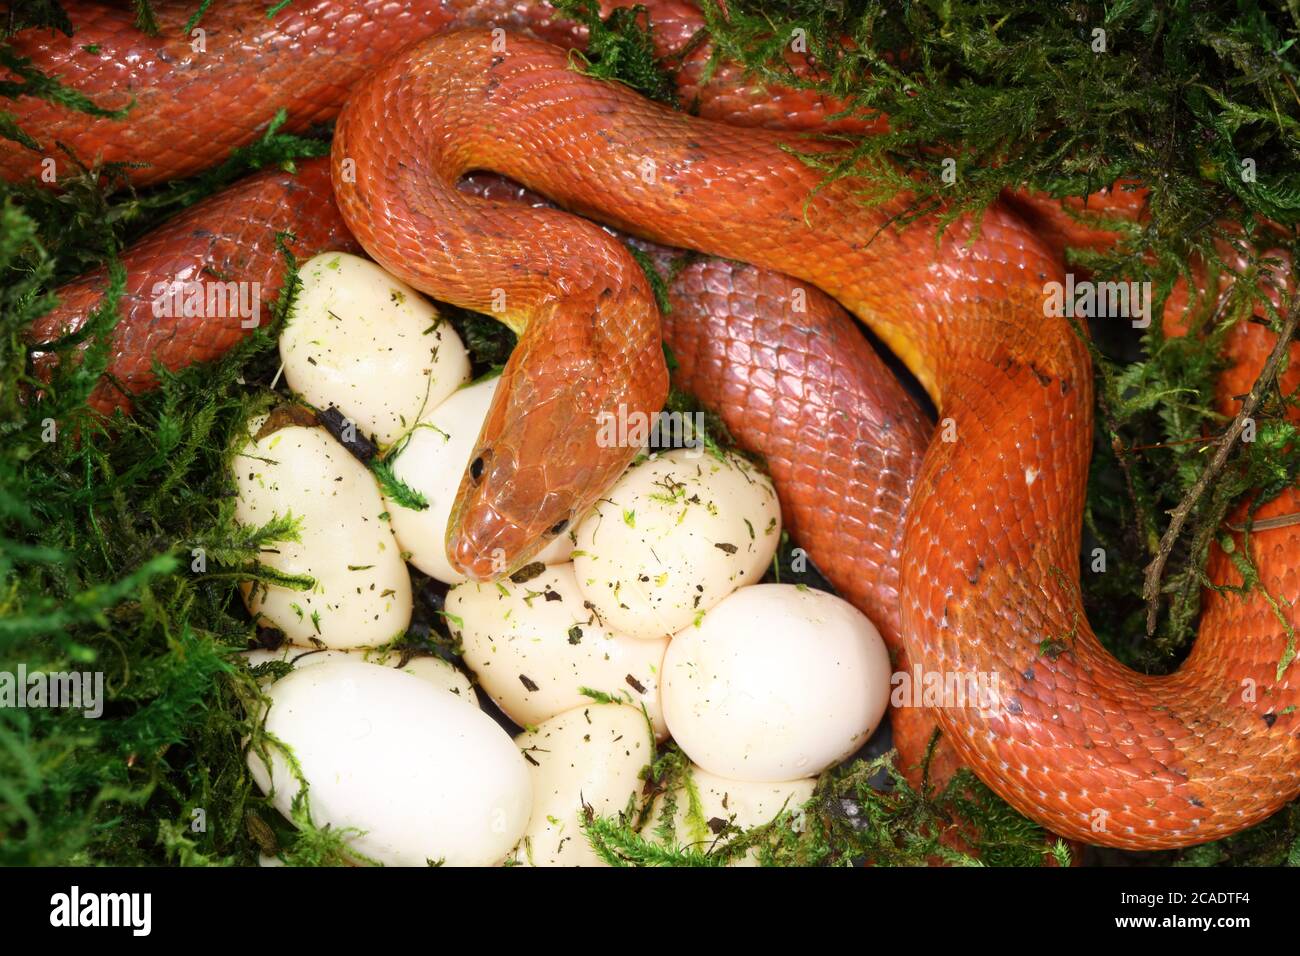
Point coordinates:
[(988, 558)]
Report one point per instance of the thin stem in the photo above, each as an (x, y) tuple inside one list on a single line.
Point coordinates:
[(1198, 440), (1178, 517), (1269, 524)]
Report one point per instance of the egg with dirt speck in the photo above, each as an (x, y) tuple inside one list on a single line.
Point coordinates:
[(677, 533), (585, 763), (369, 344), (537, 646), (335, 576)]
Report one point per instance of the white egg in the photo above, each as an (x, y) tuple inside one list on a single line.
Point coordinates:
[(534, 646), (586, 758), (433, 670), (419, 775), (675, 535), (368, 343), (432, 462), (719, 807), (441, 674), (775, 683), (362, 591)]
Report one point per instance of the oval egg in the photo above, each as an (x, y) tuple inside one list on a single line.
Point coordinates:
[(422, 776), (585, 759), (776, 683), (432, 670), (534, 646), (361, 340), (676, 534), (361, 595)]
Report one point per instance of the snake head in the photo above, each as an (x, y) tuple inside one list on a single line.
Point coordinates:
[(541, 461), (498, 524)]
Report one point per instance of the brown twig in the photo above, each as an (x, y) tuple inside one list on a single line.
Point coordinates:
[(1269, 524), (1198, 440), (1178, 517)]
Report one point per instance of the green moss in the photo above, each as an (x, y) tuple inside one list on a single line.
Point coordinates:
[(490, 342), (119, 554), (850, 820), (1018, 93), (620, 48), (35, 13)]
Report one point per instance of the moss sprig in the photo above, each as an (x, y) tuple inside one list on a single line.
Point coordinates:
[(851, 820), (620, 47)]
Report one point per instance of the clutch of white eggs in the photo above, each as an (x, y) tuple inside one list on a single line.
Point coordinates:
[(643, 622)]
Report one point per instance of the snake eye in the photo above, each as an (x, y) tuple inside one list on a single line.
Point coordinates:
[(476, 470), (558, 527)]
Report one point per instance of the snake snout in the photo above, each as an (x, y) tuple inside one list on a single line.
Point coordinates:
[(475, 566), (482, 544)]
